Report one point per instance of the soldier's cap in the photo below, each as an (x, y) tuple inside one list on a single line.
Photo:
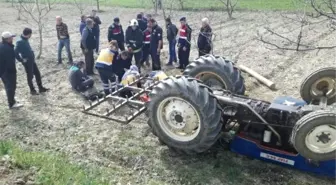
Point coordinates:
[(183, 19), (7, 35)]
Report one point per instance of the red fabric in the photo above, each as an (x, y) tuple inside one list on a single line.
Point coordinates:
[(183, 31), (116, 30), (147, 35), (144, 98)]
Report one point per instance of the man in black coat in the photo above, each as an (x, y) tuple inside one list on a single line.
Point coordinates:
[(25, 54), (116, 32), (96, 27), (88, 44), (142, 23), (156, 44), (8, 68), (171, 37), (134, 42), (204, 41)]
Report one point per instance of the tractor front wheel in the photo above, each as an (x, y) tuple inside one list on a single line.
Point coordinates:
[(184, 115), (314, 135)]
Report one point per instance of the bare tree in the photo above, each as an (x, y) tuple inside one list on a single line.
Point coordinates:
[(37, 12), (324, 8), (81, 6), (181, 2), (98, 5), (230, 6)]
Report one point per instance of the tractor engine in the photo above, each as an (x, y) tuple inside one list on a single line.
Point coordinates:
[(259, 119)]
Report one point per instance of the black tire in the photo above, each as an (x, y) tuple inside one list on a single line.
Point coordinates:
[(214, 69), (201, 99), (305, 126), (308, 82)]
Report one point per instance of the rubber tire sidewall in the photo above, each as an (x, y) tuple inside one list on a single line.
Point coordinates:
[(215, 71), (304, 129), (162, 134), (311, 79)]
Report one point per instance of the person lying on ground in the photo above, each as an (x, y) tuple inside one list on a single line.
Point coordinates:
[(122, 64), (25, 54), (104, 65), (78, 80)]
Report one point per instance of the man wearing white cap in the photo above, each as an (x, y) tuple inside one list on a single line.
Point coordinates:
[(8, 68)]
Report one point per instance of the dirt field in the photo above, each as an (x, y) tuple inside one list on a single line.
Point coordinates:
[(53, 122)]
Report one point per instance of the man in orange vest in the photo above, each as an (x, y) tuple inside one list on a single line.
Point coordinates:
[(184, 44)]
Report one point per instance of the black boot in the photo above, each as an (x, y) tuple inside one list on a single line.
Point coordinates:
[(43, 89), (33, 92)]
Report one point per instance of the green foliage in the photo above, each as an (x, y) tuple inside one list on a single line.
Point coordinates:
[(53, 169)]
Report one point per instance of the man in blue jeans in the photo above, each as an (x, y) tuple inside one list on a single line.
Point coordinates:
[(171, 37), (63, 40)]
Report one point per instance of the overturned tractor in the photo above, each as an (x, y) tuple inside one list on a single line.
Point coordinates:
[(191, 113)]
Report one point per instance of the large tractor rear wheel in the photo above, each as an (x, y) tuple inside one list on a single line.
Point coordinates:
[(183, 114), (314, 135), (321, 83), (217, 72)]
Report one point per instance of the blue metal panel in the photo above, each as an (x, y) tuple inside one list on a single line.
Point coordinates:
[(250, 148)]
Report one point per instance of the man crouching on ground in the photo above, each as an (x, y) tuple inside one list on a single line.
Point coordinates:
[(78, 80), (104, 66)]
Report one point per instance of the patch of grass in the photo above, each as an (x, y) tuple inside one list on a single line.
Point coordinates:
[(201, 4), (53, 169)]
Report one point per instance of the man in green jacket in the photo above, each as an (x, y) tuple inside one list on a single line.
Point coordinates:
[(25, 54)]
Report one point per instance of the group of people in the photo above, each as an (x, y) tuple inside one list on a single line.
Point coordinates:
[(23, 53), (143, 38)]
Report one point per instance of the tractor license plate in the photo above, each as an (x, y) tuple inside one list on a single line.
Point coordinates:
[(276, 158)]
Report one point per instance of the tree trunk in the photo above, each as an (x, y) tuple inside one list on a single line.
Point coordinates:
[(40, 29), (98, 9)]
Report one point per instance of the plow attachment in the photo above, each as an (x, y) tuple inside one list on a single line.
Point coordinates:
[(120, 107)]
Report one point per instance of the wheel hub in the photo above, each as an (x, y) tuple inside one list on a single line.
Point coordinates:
[(324, 87), (212, 80), (178, 119), (322, 139)]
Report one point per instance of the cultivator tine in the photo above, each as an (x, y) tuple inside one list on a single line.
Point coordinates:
[(136, 106)]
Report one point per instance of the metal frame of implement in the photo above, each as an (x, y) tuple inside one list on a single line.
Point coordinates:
[(122, 102)]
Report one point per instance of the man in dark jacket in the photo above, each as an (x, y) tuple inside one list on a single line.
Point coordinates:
[(142, 24), (134, 42), (116, 32), (8, 68), (146, 46), (204, 38), (171, 37), (96, 29), (82, 25), (26, 56), (121, 64), (78, 80), (88, 44), (184, 43), (156, 44)]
